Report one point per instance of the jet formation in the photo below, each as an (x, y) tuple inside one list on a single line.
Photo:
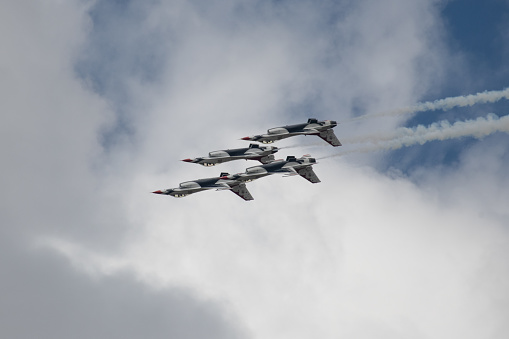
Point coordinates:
[(236, 183)]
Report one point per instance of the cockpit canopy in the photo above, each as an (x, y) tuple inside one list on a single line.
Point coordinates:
[(189, 184), (312, 121), (218, 154), (255, 170), (277, 130)]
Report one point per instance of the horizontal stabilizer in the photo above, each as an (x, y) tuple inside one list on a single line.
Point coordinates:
[(267, 159), (330, 137), (308, 174), (241, 191)]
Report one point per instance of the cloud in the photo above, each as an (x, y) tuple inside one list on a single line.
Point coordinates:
[(42, 297), (358, 254), (53, 185), (361, 254)]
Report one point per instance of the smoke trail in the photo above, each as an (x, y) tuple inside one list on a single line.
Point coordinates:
[(443, 130), (314, 144), (443, 104)]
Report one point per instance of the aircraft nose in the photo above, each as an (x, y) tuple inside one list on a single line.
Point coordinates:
[(245, 138), (158, 192), (187, 160)]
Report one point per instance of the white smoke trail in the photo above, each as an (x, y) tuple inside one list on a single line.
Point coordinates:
[(443, 104), (314, 144), (402, 137)]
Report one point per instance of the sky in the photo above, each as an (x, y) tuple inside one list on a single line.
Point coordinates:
[(406, 235)]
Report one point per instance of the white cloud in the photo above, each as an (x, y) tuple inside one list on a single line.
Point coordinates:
[(361, 254), (53, 185)]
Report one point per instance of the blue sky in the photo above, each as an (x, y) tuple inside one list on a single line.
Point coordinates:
[(102, 98), (478, 29), (477, 34)]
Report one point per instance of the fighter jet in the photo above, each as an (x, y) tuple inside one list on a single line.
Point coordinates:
[(218, 183), (323, 129), (290, 166), (264, 154)]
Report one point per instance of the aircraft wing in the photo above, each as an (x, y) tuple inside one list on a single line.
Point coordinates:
[(241, 191), (222, 186), (330, 137), (290, 171), (266, 159), (308, 174), (312, 131)]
